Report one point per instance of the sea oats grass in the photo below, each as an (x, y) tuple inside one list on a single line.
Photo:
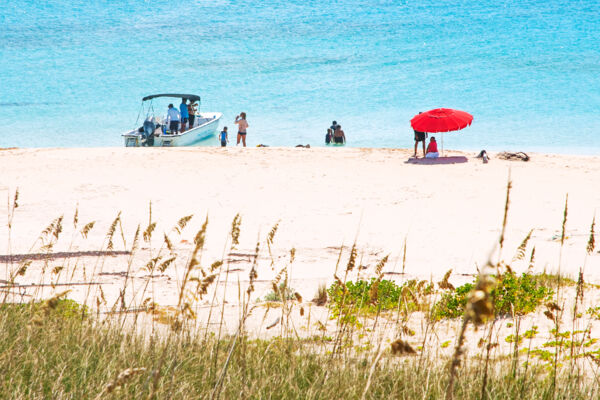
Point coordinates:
[(380, 338)]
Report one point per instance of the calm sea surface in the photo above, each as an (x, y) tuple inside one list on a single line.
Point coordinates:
[(72, 73)]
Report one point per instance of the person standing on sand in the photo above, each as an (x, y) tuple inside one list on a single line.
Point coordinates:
[(419, 137), (185, 116), (223, 137), (338, 136), (173, 118), (242, 124), (432, 150)]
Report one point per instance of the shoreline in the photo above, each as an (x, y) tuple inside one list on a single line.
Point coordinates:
[(542, 152)]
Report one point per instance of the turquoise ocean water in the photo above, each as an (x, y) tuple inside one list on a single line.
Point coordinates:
[(72, 73)]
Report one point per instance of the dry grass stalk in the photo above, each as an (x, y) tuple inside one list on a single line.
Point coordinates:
[(479, 309), (444, 284), (506, 207), (76, 217), (111, 232), (404, 256), (120, 380), (400, 347), (235, 230), (520, 254), (147, 235), (532, 259), (549, 315), (564, 222), (165, 264), (182, 223), (552, 306), (87, 228), (270, 239), (11, 210), (371, 372), (591, 244), (168, 242), (320, 298), (374, 291), (352, 260)]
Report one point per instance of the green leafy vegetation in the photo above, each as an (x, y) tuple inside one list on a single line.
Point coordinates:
[(370, 296), (521, 294), (283, 291), (530, 334)]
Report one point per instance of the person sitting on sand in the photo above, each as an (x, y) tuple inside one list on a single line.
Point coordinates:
[(173, 118), (432, 150), (338, 136)]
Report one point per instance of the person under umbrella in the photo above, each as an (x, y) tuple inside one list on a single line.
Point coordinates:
[(432, 150)]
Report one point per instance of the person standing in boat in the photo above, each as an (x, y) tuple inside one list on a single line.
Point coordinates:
[(192, 107), (173, 117), (242, 124), (185, 116)]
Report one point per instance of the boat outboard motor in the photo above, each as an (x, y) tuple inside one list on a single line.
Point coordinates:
[(149, 128)]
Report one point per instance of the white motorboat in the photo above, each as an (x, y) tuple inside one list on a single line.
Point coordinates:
[(155, 129)]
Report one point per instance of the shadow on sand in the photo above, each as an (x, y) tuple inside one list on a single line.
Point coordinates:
[(438, 161), (52, 256)]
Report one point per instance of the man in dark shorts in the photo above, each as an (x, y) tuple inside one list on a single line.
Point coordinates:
[(192, 107), (420, 137), (339, 137), (173, 117), (183, 111)]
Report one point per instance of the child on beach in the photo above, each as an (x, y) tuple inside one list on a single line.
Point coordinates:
[(223, 137)]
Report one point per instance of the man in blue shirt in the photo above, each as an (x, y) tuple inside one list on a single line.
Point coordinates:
[(184, 113)]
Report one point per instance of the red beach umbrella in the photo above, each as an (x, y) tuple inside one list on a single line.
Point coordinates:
[(441, 120)]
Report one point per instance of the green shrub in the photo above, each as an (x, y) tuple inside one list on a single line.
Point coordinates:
[(370, 296), (523, 294), (284, 290), (62, 308)]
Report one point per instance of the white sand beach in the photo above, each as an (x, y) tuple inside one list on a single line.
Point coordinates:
[(450, 215)]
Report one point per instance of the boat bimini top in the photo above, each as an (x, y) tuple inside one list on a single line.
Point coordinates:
[(191, 97)]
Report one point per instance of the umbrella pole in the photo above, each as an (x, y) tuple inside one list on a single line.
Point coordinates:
[(442, 144)]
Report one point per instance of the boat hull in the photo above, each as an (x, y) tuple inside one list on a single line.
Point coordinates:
[(206, 128)]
